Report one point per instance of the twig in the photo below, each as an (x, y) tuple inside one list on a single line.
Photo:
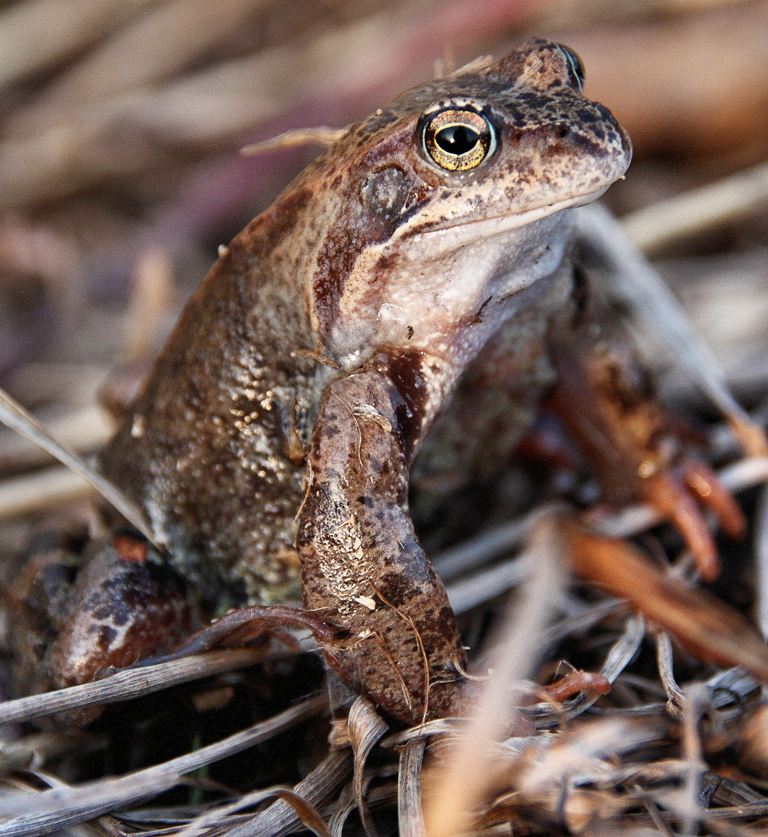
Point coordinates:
[(295, 138), (665, 665), (470, 553), (41, 491), (86, 428)]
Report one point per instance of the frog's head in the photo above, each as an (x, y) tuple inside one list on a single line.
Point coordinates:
[(452, 199)]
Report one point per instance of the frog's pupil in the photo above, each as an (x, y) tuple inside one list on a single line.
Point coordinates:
[(457, 139)]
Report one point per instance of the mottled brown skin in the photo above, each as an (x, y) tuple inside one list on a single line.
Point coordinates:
[(76, 615), (274, 439)]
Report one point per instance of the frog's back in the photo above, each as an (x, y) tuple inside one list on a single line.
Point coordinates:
[(212, 449)]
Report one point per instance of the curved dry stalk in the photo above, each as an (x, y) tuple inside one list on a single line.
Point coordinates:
[(215, 818), (315, 788), (410, 815), (665, 666), (697, 703), (366, 727)]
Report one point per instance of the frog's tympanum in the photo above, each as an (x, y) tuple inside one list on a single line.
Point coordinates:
[(410, 294)]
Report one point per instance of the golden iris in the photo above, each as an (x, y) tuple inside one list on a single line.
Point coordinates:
[(458, 139)]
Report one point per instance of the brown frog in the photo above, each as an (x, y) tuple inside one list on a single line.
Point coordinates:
[(426, 254)]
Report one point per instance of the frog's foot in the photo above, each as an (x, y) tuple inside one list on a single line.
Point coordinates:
[(679, 493), (576, 682)]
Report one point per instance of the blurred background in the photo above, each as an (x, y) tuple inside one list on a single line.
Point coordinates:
[(121, 122)]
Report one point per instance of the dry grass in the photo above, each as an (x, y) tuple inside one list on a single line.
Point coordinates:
[(119, 137)]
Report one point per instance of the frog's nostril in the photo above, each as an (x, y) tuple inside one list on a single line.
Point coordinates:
[(562, 132)]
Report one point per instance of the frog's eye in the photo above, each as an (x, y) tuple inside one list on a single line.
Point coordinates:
[(576, 73), (458, 139)]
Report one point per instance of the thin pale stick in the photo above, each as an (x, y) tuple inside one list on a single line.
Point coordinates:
[(698, 210), (296, 138), (41, 491), (463, 782), (17, 418)]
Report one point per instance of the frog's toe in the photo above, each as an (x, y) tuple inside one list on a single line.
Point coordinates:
[(680, 495), (714, 495)]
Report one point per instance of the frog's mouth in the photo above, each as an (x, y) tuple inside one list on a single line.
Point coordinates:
[(491, 225)]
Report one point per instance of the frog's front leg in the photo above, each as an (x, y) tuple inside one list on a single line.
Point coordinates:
[(362, 565), (608, 401)]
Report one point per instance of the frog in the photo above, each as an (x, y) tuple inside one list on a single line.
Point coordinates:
[(335, 349)]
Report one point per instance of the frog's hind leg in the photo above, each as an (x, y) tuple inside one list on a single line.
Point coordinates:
[(80, 609)]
